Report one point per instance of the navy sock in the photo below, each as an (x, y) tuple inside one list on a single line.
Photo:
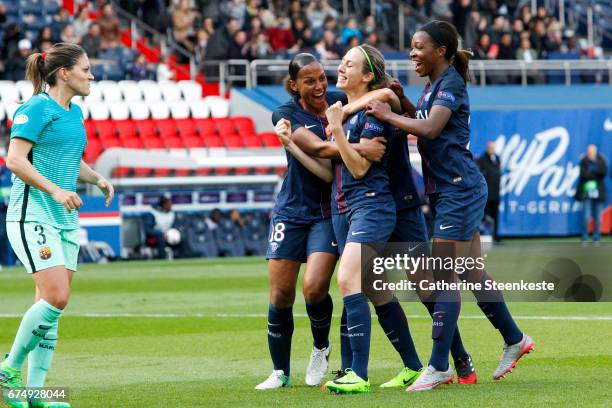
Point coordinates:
[(346, 353), (393, 321), (359, 327), (494, 307), (320, 315), (457, 350), (446, 313), (280, 330)]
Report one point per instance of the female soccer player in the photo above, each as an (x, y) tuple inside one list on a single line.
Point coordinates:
[(456, 189), (301, 230), (47, 143)]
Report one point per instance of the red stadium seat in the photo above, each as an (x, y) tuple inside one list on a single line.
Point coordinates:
[(173, 143), (241, 171), (244, 125), (232, 141), (162, 172), (146, 128), (126, 129), (141, 171), (132, 143), (193, 142), (252, 141), (92, 151), (213, 141), (203, 171), (108, 143), (105, 129), (120, 172), (186, 127), (225, 126), (206, 127), (270, 139), (90, 129), (153, 143), (167, 128)]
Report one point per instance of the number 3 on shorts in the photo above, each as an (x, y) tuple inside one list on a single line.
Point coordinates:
[(40, 230), (278, 232)]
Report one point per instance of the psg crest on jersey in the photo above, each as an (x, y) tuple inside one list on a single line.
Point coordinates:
[(273, 246), (44, 253)]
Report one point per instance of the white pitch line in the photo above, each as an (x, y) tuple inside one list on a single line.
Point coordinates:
[(262, 315)]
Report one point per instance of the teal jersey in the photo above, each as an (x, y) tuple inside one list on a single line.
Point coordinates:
[(59, 139)]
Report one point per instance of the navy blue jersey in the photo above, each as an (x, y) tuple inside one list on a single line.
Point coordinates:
[(303, 196), (400, 172), (374, 187), (448, 165)]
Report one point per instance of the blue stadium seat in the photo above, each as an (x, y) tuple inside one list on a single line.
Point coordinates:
[(229, 239), (198, 240), (255, 235)]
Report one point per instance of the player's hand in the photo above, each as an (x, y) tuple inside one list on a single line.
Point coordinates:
[(335, 115), (70, 200), (283, 131), (397, 88), (379, 110), (373, 149), (328, 132), (107, 189)]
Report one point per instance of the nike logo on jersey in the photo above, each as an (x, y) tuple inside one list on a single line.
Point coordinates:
[(357, 233), (444, 227), (608, 125), (334, 244), (410, 249), (309, 126), (354, 327)]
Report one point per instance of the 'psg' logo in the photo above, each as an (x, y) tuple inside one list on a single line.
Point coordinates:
[(273, 246), (44, 253)]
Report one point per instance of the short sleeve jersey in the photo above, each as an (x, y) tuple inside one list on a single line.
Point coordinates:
[(58, 141), (400, 173), (447, 163), (304, 196)]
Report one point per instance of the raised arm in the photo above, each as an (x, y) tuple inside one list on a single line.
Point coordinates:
[(407, 106), (429, 128), (384, 95)]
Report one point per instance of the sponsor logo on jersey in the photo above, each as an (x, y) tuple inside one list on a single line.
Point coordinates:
[(374, 127), (21, 119), (44, 253), (353, 120), (447, 96)]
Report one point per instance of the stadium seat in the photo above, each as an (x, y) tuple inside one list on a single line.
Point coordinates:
[(153, 143), (110, 143), (252, 141), (233, 142), (159, 110), (170, 91), (150, 90), (199, 109), (132, 143), (110, 91), (105, 129), (166, 127), (119, 110), (11, 107), (255, 236), (95, 95), (244, 125), (92, 151), (98, 110), (219, 106), (206, 127), (225, 127), (130, 90), (229, 239), (186, 127), (9, 92), (193, 142), (139, 110), (191, 90), (270, 139), (213, 141), (179, 110), (90, 129), (126, 129), (173, 142), (146, 129), (26, 90), (80, 102), (200, 240)]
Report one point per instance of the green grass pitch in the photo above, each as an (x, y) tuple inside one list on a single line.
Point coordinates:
[(193, 334)]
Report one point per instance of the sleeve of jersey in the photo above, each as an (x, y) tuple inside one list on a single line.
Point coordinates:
[(29, 121), (372, 128), (450, 94), (285, 113)]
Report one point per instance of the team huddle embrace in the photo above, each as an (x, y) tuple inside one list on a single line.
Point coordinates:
[(349, 191)]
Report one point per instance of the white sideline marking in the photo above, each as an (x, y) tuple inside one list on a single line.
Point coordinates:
[(263, 315)]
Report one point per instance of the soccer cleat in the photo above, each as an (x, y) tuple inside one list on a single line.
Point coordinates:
[(430, 378), (466, 374), (11, 378), (277, 379), (317, 366), (43, 404), (404, 378), (511, 355), (349, 383)]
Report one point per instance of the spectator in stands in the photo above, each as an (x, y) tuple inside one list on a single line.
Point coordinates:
[(239, 47), (500, 25), (235, 216), (507, 51), (235, 9), (329, 24), (140, 69), (490, 168), (15, 68), (252, 11), (60, 20), (571, 44), (327, 47), (209, 25), (375, 41), (350, 30), (201, 41), (92, 41), (183, 19), (369, 26), (525, 15), (220, 42), (44, 46), (163, 71), (280, 36), (539, 39), (255, 28), (555, 36), (296, 11), (109, 27), (3, 18), (68, 35), (525, 52), (164, 219), (298, 28), (591, 190), (259, 47), (461, 15), (82, 22), (213, 219), (484, 49), (517, 29), (45, 34), (317, 11)]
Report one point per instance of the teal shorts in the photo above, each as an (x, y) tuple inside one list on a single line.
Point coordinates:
[(40, 246)]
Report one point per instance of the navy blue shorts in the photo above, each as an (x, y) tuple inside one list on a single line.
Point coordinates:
[(410, 226), (341, 228), (296, 240), (458, 214), (371, 224)]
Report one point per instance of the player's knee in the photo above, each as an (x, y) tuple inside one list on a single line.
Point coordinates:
[(58, 298), (315, 290), (282, 296)]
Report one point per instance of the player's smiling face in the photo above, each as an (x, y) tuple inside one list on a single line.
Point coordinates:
[(425, 54), (79, 77), (311, 84), (350, 70)]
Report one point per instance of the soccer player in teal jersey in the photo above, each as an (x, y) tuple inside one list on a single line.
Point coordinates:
[(47, 143)]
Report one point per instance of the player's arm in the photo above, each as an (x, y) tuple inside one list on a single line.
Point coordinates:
[(407, 106), (90, 176), (429, 128), (17, 161), (385, 95), (319, 167), (356, 164)]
